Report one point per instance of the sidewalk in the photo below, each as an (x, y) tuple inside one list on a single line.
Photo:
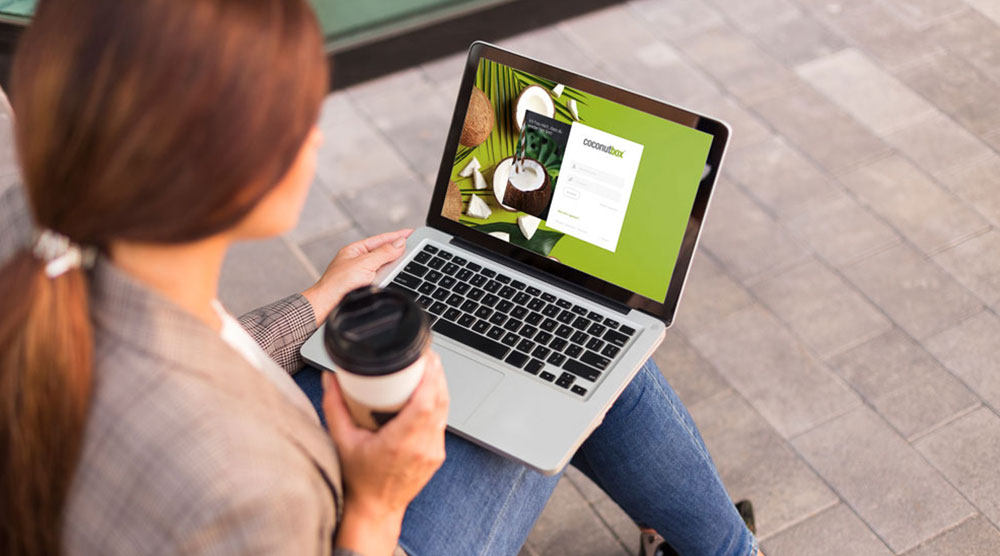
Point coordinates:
[(838, 341)]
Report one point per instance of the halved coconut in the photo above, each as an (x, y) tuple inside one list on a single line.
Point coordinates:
[(452, 208), (536, 99), (528, 187), (500, 174), (478, 119)]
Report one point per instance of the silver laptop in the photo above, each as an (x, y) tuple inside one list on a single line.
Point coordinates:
[(557, 243)]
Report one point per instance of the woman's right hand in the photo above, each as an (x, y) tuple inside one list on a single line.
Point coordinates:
[(384, 470)]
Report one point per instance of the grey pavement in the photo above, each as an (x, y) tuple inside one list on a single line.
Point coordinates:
[(838, 342)]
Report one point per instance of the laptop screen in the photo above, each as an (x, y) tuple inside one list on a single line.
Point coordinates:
[(596, 185)]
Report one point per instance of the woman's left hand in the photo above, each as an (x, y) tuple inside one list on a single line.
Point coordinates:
[(353, 267)]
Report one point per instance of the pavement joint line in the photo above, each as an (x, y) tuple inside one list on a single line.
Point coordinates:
[(302, 258), (944, 531), (915, 437)]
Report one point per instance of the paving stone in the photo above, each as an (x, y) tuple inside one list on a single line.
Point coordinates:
[(930, 216), (256, 273), (976, 183), (785, 181), (833, 532), (970, 350), (972, 36), (904, 383), (880, 31), (957, 88), (749, 15), (390, 100), (976, 264), (320, 215), (864, 90), (691, 376), (445, 75), (922, 13), (421, 142), (917, 294), (988, 8), (898, 494), (842, 231), (745, 239), (773, 370), (747, 129), (388, 206), (745, 70), (755, 463), (975, 537), (821, 129), (551, 45), (966, 451), (710, 294), (321, 250), (938, 145), (821, 308), (587, 535), (621, 525), (673, 20), (797, 39)]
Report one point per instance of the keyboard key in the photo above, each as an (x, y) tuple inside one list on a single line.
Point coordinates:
[(541, 352), (477, 280), (565, 380), (573, 350), (517, 359), (558, 344), (438, 308), (505, 306), (580, 338), (594, 315), (549, 297), (407, 280), (430, 249), (519, 312), (595, 344), (447, 282), (469, 306), (425, 301), (498, 319), (452, 314), (455, 300), (595, 360), (536, 304), (507, 292), (459, 261), (518, 285), (564, 304), (563, 331), (445, 255), (583, 371), (436, 263), (616, 338), (450, 269), (548, 325), (610, 350), (510, 339), (596, 329), (513, 325), (473, 267), (542, 337), (533, 318), (551, 311), (415, 268), (534, 366), (503, 278), (566, 317), (522, 298), (489, 273), (492, 286), (441, 294), (422, 257), (582, 311), (466, 320), (581, 323), (461, 288), (547, 376), (627, 330), (528, 331), (533, 290), (433, 276), (481, 326), (526, 345), (475, 294), (557, 359), (490, 300), (610, 323), (484, 312), (578, 390), (427, 288), (495, 333), (464, 275)]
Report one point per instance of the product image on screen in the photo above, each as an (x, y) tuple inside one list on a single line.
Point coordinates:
[(593, 184)]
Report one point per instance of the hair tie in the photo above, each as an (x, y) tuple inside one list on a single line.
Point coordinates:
[(61, 254)]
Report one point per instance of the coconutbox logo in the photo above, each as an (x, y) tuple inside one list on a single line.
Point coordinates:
[(606, 148)]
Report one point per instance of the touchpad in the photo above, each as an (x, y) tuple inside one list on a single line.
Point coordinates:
[(469, 382)]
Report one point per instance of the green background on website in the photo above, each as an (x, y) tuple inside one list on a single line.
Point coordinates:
[(673, 158)]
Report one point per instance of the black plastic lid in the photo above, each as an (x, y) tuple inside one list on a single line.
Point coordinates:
[(375, 332)]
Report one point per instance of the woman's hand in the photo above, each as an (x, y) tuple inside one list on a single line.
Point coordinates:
[(353, 267), (384, 470)]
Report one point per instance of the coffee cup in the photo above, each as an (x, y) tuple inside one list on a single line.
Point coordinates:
[(377, 339)]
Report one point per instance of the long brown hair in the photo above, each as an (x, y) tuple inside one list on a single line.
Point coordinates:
[(155, 121)]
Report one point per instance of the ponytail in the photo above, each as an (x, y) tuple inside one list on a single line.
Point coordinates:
[(46, 351)]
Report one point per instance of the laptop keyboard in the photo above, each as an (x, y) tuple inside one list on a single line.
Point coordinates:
[(535, 331)]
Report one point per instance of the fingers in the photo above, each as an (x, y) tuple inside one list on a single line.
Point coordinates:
[(427, 408), (385, 254), (375, 242)]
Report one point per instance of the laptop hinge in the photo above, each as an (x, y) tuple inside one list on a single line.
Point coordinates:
[(543, 276)]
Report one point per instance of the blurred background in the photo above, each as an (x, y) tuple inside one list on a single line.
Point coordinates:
[(838, 340)]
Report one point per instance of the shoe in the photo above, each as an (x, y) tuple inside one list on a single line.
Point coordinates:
[(652, 544)]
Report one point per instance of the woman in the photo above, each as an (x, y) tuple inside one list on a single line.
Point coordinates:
[(137, 416)]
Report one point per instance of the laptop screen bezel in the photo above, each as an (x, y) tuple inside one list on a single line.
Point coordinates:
[(719, 131)]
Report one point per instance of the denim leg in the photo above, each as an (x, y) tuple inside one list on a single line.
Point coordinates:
[(650, 458)]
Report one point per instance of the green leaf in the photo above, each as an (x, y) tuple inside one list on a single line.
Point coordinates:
[(542, 242)]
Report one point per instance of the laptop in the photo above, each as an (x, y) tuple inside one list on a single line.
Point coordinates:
[(557, 242)]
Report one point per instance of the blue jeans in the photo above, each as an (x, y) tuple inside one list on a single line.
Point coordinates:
[(647, 456)]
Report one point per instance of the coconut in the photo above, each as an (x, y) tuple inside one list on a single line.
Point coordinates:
[(500, 174), (478, 180), (502, 236), (571, 105), (536, 99), (472, 165), (528, 187), (557, 91), (452, 209), (528, 225), (478, 119), (478, 208)]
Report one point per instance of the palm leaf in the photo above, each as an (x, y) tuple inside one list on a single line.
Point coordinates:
[(542, 242)]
